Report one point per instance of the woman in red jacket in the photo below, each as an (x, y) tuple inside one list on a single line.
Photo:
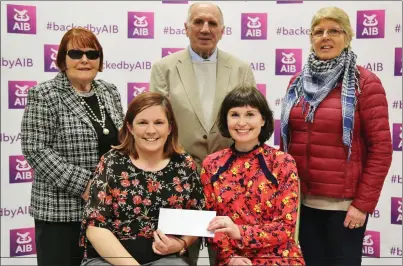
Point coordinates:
[(252, 186), (334, 122)]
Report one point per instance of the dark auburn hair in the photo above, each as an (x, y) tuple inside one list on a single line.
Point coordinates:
[(246, 96), (137, 105), (79, 38)]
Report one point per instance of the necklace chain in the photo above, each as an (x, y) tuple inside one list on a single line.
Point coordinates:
[(86, 94), (91, 114)]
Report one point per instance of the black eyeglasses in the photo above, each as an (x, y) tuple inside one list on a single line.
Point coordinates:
[(78, 54)]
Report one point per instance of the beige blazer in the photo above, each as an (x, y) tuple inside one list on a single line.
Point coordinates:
[(173, 75)]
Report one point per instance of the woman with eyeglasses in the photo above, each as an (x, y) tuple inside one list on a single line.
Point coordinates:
[(334, 122), (69, 122)]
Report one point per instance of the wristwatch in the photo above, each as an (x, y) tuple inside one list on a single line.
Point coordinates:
[(185, 247)]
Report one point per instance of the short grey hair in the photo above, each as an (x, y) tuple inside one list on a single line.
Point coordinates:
[(219, 10)]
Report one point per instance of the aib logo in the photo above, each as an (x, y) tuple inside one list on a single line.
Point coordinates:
[(371, 244), (49, 57), (396, 211), (261, 88), (398, 61), (20, 171), (174, 2), (18, 93), (21, 19), (370, 24), (140, 25), (254, 26), (169, 51), (397, 137), (277, 130), (22, 242), (288, 61), (134, 89)]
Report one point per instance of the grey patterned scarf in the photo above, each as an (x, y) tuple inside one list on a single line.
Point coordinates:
[(314, 83)]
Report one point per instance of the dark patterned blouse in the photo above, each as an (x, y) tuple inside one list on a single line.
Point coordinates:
[(126, 200), (258, 190)]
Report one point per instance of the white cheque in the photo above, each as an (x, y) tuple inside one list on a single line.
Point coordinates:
[(185, 222)]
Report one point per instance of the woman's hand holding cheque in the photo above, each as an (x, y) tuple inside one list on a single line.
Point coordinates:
[(224, 224), (164, 244)]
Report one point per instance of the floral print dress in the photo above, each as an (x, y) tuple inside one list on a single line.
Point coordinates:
[(258, 190), (126, 200)]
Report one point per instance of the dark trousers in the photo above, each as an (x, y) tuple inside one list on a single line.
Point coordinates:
[(194, 251), (57, 243), (325, 241)]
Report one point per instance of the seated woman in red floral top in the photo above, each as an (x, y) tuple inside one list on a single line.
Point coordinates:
[(252, 186), (148, 171)]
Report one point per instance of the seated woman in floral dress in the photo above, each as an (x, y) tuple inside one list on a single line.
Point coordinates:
[(252, 186), (148, 171)]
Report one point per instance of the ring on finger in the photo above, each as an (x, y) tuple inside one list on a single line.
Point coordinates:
[(357, 225)]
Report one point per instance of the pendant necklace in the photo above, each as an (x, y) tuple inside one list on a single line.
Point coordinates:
[(91, 113)]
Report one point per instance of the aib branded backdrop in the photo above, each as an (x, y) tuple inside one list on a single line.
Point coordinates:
[(273, 36)]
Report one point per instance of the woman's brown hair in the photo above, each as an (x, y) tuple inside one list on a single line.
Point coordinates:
[(137, 105)]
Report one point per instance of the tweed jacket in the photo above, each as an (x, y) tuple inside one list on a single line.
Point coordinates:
[(60, 143)]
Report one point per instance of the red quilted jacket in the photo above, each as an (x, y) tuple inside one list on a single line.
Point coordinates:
[(321, 156)]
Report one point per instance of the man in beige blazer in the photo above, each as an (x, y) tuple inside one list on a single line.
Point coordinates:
[(196, 81), (174, 76)]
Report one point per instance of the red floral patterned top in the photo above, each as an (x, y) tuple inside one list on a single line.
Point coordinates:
[(261, 199), (126, 200)]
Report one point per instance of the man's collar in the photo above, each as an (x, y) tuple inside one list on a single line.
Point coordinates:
[(198, 59)]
